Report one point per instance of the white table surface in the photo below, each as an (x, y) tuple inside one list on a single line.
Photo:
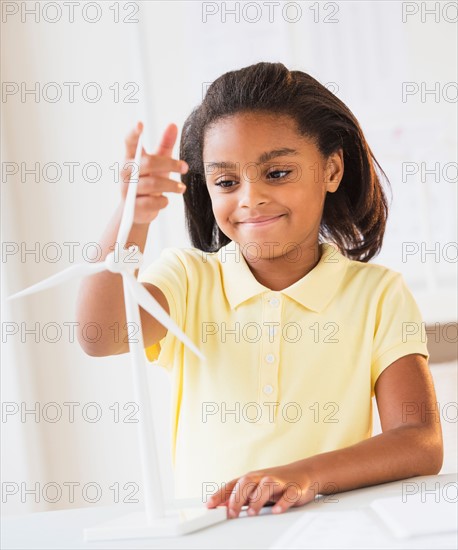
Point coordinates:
[(64, 529)]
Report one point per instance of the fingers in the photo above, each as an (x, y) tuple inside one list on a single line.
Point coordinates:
[(153, 173), (252, 491), (166, 144), (159, 163), (221, 496), (256, 492), (242, 492), (168, 141), (260, 496), (293, 495), (155, 185), (152, 164)]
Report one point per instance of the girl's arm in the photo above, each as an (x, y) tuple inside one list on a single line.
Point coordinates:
[(411, 442), (101, 301), (410, 445), (101, 296)]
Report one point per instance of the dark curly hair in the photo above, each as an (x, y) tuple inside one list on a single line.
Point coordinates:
[(354, 216)]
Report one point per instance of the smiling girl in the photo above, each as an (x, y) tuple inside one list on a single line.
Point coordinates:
[(285, 208)]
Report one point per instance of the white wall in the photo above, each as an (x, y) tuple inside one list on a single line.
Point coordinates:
[(40, 212), (367, 54)]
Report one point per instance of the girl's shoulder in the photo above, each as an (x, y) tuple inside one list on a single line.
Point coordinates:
[(374, 275), (188, 259)]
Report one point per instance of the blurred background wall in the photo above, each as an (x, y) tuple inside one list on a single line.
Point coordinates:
[(71, 84)]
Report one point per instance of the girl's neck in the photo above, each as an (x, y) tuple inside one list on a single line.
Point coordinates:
[(281, 272)]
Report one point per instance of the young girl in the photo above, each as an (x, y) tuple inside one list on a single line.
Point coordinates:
[(284, 207)]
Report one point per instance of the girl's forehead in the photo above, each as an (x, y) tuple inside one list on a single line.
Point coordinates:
[(252, 118), (251, 131)]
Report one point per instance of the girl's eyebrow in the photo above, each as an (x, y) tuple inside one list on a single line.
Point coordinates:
[(264, 157)]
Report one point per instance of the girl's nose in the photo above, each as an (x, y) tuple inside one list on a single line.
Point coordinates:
[(252, 193)]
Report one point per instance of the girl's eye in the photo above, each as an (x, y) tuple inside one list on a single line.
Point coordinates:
[(285, 172), (276, 176), (222, 182)]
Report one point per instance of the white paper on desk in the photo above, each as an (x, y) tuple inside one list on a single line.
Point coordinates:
[(420, 514), (344, 529), (352, 529)]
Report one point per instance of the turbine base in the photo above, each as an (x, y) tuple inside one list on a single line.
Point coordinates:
[(174, 524)]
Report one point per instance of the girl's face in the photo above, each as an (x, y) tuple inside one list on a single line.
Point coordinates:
[(267, 183)]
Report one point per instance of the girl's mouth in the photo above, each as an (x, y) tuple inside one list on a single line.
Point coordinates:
[(263, 222)]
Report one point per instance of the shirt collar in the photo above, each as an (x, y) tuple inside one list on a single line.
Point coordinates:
[(314, 291)]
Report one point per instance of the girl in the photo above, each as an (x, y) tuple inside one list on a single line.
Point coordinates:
[(285, 208)]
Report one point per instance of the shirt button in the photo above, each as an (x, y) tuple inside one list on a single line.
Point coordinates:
[(268, 389), (274, 302), (270, 358)]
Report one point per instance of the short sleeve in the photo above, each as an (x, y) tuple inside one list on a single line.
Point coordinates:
[(168, 273), (399, 328)]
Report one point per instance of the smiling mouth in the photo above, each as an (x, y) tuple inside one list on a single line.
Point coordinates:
[(262, 223)]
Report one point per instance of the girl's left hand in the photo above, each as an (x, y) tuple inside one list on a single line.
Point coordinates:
[(287, 486)]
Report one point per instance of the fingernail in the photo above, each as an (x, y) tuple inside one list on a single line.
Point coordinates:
[(232, 513), (181, 186), (183, 167), (251, 512), (276, 509)]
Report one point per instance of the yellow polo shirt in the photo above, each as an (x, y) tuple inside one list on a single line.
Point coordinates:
[(289, 374)]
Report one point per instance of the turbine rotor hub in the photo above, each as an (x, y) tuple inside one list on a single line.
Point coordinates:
[(124, 260)]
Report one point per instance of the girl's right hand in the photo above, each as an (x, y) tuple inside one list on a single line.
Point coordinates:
[(154, 174)]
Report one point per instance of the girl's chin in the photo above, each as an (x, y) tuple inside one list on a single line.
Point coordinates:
[(256, 250)]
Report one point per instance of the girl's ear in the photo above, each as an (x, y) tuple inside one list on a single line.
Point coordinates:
[(334, 171)]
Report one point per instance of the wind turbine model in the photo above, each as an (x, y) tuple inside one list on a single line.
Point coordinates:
[(154, 521)]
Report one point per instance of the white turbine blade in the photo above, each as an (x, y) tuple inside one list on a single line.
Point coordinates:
[(148, 303), (129, 204), (79, 270)]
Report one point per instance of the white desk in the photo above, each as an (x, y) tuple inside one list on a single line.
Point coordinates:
[(64, 529)]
